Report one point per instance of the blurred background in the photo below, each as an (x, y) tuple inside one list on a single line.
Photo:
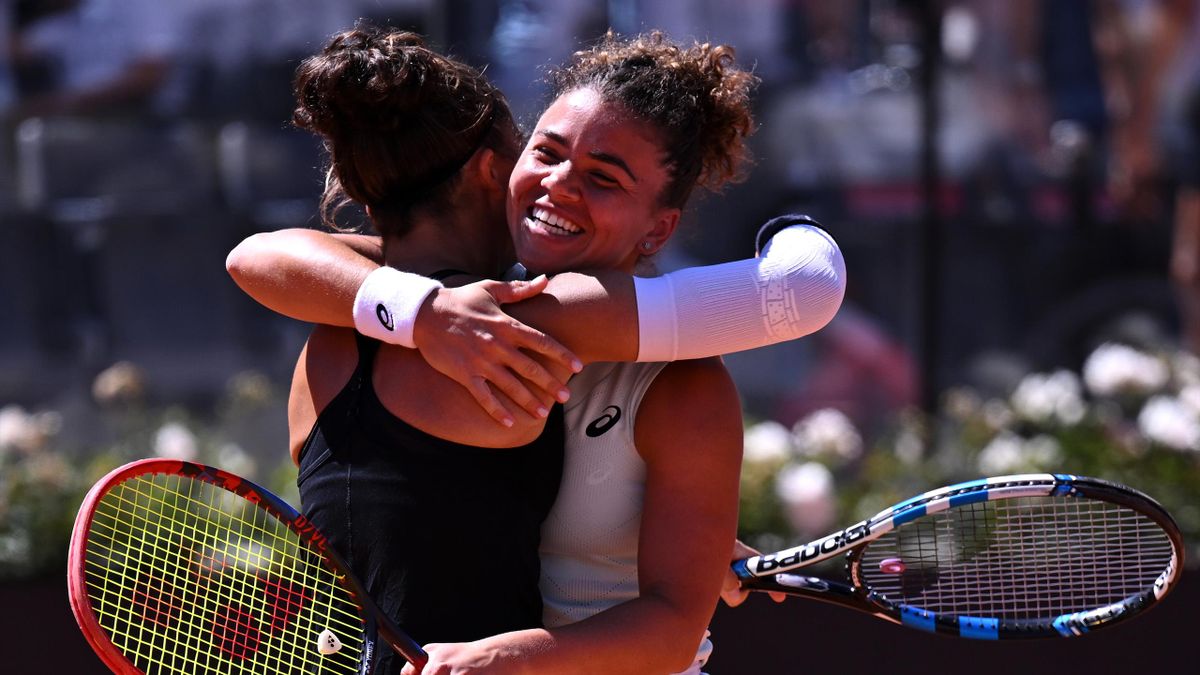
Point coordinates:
[(1014, 184)]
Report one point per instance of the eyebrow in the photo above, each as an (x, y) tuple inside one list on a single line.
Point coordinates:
[(605, 157)]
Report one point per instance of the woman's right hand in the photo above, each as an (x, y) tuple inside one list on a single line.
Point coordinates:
[(731, 590), (465, 335)]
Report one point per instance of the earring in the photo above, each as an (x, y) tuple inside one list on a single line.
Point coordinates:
[(646, 246)]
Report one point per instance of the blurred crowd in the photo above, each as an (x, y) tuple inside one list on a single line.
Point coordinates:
[(142, 138)]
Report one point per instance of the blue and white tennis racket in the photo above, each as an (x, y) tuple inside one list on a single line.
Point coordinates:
[(1028, 556)]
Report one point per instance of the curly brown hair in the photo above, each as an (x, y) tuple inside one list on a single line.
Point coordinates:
[(398, 120), (695, 96)]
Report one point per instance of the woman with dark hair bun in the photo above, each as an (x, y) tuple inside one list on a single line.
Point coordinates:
[(653, 447), (425, 144)]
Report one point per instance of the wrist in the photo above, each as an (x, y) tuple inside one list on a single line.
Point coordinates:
[(387, 304)]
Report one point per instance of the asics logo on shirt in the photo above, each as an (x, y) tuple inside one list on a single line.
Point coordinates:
[(385, 317), (612, 414)]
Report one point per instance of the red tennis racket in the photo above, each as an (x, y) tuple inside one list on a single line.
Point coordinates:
[(177, 567)]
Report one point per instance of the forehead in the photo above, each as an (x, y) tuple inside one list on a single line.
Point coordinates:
[(585, 120)]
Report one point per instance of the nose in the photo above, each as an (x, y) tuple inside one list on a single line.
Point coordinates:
[(560, 183)]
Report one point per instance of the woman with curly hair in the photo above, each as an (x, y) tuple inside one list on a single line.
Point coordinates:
[(653, 447)]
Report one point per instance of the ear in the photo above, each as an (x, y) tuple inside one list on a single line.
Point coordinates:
[(665, 222), (493, 169)]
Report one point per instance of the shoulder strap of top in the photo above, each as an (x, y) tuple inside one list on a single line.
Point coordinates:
[(367, 349), (442, 274)]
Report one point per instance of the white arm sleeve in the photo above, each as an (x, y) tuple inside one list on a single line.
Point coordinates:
[(794, 289)]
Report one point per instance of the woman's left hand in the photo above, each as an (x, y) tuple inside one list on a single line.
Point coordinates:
[(466, 336)]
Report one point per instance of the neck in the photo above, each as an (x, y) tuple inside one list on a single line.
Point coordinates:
[(465, 240)]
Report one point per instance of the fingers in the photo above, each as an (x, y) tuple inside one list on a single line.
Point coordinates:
[(520, 392), (515, 291), (535, 373), (777, 596), (731, 590), (538, 342), (735, 597), (487, 400)]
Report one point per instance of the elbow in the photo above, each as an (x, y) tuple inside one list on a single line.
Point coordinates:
[(821, 286), (680, 660), (831, 291), (239, 264), (813, 268), (678, 653), (683, 632)]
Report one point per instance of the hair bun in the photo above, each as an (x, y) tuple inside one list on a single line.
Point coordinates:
[(365, 78)]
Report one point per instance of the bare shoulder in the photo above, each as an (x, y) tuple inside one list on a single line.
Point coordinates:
[(703, 385), (691, 404), (323, 369)]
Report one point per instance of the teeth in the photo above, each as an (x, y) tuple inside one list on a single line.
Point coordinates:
[(555, 221)]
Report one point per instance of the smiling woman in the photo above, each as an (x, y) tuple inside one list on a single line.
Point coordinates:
[(588, 172)]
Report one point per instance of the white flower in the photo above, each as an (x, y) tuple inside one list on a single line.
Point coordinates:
[(1042, 452), (1009, 453), (828, 433), (14, 427), (27, 432), (1189, 396), (909, 447), (175, 441), (233, 459), (1168, 421), (1116, 368), (767, 442), (1057, 397), (1186, 367), (1001, 455), (997, 414), (806, 491), (122, 382)]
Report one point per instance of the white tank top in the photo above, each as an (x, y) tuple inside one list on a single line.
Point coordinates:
[(590, 539)]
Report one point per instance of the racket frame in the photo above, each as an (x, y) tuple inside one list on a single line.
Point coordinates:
[(375, 621)]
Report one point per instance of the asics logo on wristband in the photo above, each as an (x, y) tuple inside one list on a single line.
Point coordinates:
[(385, 317), (604, 422)]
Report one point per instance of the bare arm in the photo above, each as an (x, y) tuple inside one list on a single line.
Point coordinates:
[(314, 276), (689, 433), (305, 274)]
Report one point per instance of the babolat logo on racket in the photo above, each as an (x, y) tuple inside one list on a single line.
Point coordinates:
[(802, 554), (385, 317)]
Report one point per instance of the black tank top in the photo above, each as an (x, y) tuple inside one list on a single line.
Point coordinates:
[(444, 536)]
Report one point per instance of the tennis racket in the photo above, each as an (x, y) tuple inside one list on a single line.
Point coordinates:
[(177, 567), (1028, 556)]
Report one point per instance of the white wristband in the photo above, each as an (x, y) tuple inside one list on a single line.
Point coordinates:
[(386, 305), (793, 290)]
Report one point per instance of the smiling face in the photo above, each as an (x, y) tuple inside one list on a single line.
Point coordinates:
[(586, 191)]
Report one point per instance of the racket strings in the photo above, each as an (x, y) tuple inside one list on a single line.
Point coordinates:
[(186, 580), (1018, 559)]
